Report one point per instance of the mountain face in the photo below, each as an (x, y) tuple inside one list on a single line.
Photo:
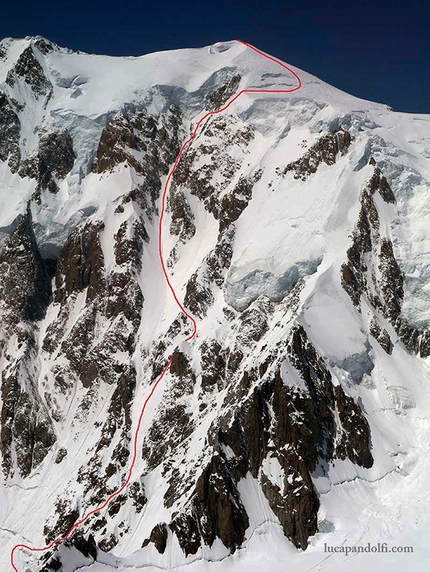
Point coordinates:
[(296, 234)]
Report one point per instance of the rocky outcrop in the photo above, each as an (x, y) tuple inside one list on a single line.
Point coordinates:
[(391, 281), (55, 160), (266, 422), (29, 70), (199, 294), (325, 150), (234, 203), (379, 183), (214, 359), (215, 511), (220, 96), (51, 164), (354, 439), (25, 287), (373, 270), (99, 356), (381, 335), (79, 546), (123, 135), (365, 239), (45, 46), (158, 537), (81, 264), (182, 225), (10, 128), (148, 144), (26, 429), (424, 344), (116, 297), (212, 159), (128, 243)]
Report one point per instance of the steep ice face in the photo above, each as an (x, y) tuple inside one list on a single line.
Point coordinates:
[(295, 233)]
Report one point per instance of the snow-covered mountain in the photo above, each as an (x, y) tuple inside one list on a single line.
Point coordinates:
[(296, 233)]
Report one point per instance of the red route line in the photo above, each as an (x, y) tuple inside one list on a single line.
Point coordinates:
[(172, 290)]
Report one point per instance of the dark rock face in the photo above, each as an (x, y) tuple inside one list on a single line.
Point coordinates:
[(325, 397), (67, 516), (10, 128), (221, 96), (25, 285), (296, 506), (214, 360), (217, 506), (85, 546), (325, 150), (234, 203), (44, 46), (158, 537), (215, 511), (119, 415), (180, 365), (365, 233), (147, 144), (267, 421), (408, 334), (187, 532), (391, 284), (379, 183), (81, 263), (137, 494), (116, 297), (372, 268), (113, 298), (199, 294), (318, 380), (425, 344), (199, 180), (363, 255), (31, 72), (52, 163), (381, 335), (62, 453), (182, 224), (124, 134), (128, 243), (52, 565), (26, 427), (354, 442), (174, 423), (55, 160), (25, 290)]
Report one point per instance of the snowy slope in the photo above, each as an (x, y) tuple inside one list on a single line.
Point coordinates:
[(296, 233)]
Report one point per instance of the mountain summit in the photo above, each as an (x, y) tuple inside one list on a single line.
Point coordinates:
[(295, 233)]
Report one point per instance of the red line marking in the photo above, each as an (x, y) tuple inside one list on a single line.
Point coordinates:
[(172, 290)]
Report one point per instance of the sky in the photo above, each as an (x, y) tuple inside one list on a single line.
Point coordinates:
[(376, 50)]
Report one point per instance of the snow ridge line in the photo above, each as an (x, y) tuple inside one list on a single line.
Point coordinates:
[(172, 290)]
